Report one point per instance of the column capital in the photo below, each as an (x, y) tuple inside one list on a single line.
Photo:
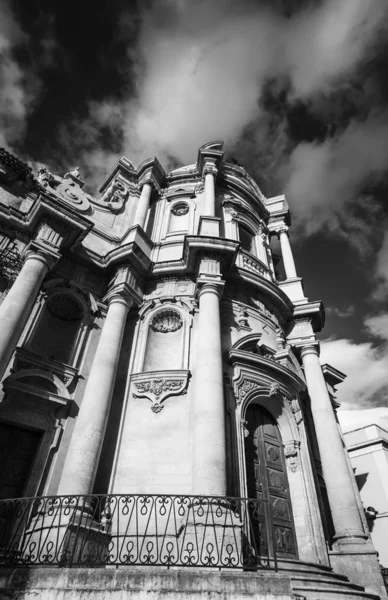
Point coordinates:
[(310, 349), (148, 181), (42, 252), (121, 287), (205, 286), (210, 166), (281, 229)]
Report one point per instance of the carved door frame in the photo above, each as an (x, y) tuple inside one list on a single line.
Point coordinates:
[(267, 491)]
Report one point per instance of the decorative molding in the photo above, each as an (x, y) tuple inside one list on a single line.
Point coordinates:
[(252, 265), (291, 453), (244, 427), (210, 166), (157, 386), (115, 196), (242, 319), (244, 388), (24, 359), (274, 390), (166, 321), (180, 208)]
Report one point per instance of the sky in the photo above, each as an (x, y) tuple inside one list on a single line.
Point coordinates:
[(298, 91)]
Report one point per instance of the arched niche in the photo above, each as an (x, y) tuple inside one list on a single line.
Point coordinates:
[(162, 337), (59, 326), (164, 345)]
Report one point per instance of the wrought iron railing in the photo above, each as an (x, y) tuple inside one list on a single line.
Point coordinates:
[(144, 529)]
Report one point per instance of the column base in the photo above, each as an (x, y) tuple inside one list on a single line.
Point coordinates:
[(361, 567)]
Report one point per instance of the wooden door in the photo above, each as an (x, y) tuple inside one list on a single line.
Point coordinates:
[(267, 481)]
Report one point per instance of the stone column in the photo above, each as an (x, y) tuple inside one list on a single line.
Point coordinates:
[(343, 504), (143, 204), (209, 455), (86, 443), (288, 259), (210, 173), (17, 305)]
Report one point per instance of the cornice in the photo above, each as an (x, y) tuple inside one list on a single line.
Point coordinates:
[(269, 366), (233, 178), (312, 310), (48, 207)]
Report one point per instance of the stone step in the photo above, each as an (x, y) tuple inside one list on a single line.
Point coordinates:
[(334, 592), (325, 581)]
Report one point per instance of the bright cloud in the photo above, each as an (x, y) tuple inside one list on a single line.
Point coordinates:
[(365, 365)]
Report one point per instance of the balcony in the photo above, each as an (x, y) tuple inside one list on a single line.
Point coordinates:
[(135, 530)]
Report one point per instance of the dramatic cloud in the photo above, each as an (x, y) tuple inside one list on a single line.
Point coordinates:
[(325, 178), (201, 68), (13, 97), (365, 365)]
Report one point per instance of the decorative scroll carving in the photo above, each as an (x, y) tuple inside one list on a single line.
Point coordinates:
[(274, 390), (199, 188), (167, 321), (180, 209), (158, 389), (115, 196), (291, 451), (244, 388)]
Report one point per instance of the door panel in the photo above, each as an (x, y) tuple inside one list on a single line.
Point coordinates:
[(267, 481)]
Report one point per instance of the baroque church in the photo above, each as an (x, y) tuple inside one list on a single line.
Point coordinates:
[(166, 426)]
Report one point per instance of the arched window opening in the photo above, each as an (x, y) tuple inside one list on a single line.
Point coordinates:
[(164, 347), (267, 482), (247, 239), (179, 218), (58, 328)]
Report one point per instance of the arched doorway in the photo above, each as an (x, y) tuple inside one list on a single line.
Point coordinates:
[(267, 481)]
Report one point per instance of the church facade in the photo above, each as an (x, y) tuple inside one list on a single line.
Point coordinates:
[(162, 402)]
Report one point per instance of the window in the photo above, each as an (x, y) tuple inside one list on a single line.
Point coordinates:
[(247, 239)]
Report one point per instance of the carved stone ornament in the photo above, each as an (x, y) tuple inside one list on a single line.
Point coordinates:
[(251, 265), (291, 451), (114, 196), (274, 390), (244, 426), (280, 339), (158, 386), (166, 321), (180, 208), (244, 388)]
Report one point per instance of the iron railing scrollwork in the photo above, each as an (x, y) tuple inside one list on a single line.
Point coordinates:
[(143, 529)]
